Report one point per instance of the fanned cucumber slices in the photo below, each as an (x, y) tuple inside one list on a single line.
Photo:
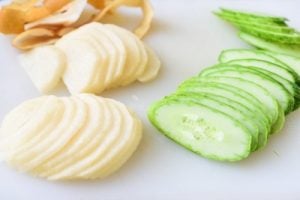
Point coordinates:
[(230, 109), (78, 137), (264, 32)]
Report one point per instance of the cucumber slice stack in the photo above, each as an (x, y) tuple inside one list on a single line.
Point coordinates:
[(230, 109), (264, 32)]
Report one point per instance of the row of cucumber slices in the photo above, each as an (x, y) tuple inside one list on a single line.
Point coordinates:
[(263, 31), (230, 109)]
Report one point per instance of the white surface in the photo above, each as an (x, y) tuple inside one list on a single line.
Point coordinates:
[(187, 37)]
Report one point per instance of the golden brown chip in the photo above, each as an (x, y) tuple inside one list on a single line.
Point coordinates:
[(145, 24), (36, 13), (11, 20), (64, 31), (55, 5), (33, 38), (99, 4), (48, 7)]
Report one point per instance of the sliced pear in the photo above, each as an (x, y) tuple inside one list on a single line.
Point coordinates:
[(18, 117), (133, 53), (41, 148), (79, 145), (152, 68), (82, 64), (87, 33), (119, 160), (45, 66), (100, 144), (66, 16), (127, 135), (117, 55), (37, 124)]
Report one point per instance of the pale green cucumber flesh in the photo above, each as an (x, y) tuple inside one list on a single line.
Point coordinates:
[(273, 108), (274, 87), (234, 54), (293, 50), (237, 102), (201, 129)]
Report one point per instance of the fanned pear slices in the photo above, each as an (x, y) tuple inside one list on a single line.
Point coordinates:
[(100, 57), (78, 137), (44, 65)]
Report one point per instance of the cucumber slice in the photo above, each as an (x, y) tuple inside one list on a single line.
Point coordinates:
[(273, 109), (276, 89), (201, 129), (251, 23), (286, 79), (293, 50), (198, 84), (225, 105), (238, 102), (284, 38), (271, 67), (248, 15), (237, 54), (292, 61)]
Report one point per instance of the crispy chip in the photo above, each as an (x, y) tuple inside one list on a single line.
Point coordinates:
[(48, 7), (65, 16), (11, 20), (145, 24), (55, 5), (64, 31), (33, 38), (36, 13), (99, 4)]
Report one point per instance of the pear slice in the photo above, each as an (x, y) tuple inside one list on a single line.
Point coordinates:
[(106, 137), (152, 68), (79, 146), (45, 117), (133, 53), (45, 66), (117, 54), (127, 136), (43, 148), (82, 64)]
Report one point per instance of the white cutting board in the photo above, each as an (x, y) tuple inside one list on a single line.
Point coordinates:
[(188, 37)]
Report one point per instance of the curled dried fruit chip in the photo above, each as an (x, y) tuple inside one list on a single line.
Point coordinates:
[(144, 26), (64, 31), (11, 20), (47, 8), (99, 4), (65, 16), (34, 37)]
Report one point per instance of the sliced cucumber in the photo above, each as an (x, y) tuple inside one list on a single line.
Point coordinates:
[(238, 102), (271, 67), (254, 24), (235, 109), (201, 129), (293, 50), (279, 92), (284, 38), (292, 61), (237, 54), (273, 109), (197, 84), (248, 15)]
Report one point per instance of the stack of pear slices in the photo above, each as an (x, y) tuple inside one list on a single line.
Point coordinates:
[(91, 59), (77, 137)]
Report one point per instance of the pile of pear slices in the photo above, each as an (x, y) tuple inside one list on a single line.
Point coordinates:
[(63, 138), (91, 59)]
